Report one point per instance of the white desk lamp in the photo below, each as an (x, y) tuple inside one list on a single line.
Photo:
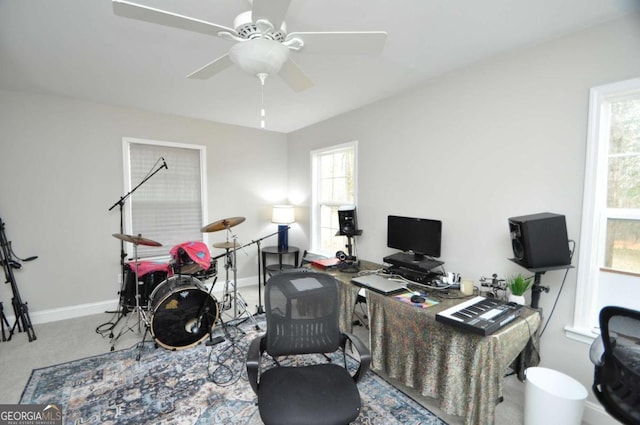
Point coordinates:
[(283, 215)]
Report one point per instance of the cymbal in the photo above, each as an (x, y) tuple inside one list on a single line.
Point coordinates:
[(136, 240), (226, 245), (222, 224)]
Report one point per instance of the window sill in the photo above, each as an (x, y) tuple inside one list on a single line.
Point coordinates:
[(580, 334), (620, 272)]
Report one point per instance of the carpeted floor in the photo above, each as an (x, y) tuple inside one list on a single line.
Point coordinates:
[(192, 386)]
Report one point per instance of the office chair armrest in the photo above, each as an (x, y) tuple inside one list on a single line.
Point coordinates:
[(363, 352), (256, 348), (596, 351)]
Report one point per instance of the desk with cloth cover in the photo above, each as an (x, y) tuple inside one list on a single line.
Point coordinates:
[(463, 371)]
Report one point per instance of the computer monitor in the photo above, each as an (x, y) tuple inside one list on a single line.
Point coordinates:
[(421, 236)]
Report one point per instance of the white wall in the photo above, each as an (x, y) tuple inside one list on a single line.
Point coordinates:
[(61, 169), (501, 138)]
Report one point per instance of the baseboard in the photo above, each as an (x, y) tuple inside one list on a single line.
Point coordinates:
[(81, 310), (594, 414), (72, 312)]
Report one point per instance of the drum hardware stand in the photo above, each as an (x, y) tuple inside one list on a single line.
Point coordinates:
[(20, 309), (230, 262), (138, 308), (144, 338), (123, 254)]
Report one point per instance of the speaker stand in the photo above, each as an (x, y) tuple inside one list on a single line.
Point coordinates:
[(350, 264), (537, 288)]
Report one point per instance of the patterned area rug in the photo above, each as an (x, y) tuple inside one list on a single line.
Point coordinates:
[(198, 385)]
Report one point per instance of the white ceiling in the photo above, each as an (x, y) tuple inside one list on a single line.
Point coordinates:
[(80, 49)]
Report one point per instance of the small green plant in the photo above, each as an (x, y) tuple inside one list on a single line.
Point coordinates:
[(518, 284)]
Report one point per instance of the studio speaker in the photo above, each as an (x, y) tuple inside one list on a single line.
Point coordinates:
[(540, 240), (347, 221)]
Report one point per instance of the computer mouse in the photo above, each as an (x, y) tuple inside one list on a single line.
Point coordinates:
[(417, 299)]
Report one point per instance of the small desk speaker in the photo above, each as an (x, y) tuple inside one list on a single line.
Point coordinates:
[(540, 240), (347, 221)]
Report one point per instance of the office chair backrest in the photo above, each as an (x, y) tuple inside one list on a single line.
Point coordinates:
[(617, 377), (302, 313)]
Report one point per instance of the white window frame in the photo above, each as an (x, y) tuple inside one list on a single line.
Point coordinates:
[(128, 185), (315, 205), (594, 217)]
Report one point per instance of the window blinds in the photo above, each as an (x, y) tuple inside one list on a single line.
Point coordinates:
[(167, 208)]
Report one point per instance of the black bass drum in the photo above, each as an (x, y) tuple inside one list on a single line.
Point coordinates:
[(182, 312)]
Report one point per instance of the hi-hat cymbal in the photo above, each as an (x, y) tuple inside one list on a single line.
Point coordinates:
[(222, 224), (226, 245), (136, 240)]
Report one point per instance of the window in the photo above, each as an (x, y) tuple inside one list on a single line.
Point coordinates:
[(169, 206), (609, 262), (622, 232), (334, 185)]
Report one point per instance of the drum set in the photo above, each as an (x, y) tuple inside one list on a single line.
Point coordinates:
[(170, 299)]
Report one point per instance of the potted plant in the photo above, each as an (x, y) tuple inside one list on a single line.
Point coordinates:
[(518, 285)]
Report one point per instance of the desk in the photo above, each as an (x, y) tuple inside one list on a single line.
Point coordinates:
[(463, 371), (274, 250)]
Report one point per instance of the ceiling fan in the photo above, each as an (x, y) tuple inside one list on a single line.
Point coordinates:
[(262, 45)]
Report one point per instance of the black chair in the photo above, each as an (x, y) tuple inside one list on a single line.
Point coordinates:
[(616, 356), (302, 319)]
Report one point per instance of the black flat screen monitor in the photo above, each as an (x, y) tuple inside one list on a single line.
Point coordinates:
[(421, 236)]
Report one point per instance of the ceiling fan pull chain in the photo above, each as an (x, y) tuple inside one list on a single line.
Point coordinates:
[(262, 77)]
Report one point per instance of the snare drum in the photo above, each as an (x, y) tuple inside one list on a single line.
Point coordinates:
[(190, 258), (182, 312), (212, 271)]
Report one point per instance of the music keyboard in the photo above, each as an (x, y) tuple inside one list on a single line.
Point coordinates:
[(480, 315)]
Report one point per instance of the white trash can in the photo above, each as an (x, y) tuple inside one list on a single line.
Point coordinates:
[(551, 398)]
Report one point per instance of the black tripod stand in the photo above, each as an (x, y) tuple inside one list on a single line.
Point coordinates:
[(9, 262)]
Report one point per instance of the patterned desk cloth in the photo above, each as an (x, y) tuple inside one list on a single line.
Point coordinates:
[(463, 371)]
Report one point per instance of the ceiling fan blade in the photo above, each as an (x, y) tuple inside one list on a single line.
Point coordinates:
[(212, 68), (358, 42), (294, 76), (273, 11), (157, 16)]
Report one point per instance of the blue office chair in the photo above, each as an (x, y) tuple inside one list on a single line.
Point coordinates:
[(302, 318), (616, 356)]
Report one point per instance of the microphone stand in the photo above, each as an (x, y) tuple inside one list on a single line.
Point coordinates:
[(123, 254), (204, 311), (260, 308)]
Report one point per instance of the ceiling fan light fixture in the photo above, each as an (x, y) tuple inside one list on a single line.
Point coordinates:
[(259, 56)]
